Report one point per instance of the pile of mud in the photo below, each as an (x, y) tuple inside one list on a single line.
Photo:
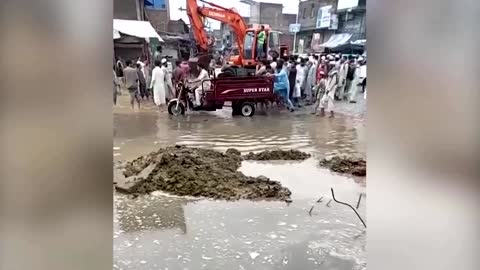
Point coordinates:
[(277, 155), (353, 166), (199, 172)]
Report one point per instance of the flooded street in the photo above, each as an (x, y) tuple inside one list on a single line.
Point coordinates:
[(160, 231)]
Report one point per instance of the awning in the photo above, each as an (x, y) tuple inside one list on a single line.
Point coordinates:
[(362, 42), (336, 40), (116, 34), (142, 29)]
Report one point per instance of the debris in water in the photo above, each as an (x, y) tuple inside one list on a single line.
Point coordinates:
[(328, 204), (254, 255), (277, 155), (273, 236), (143, 262), (187, 171), (349, 165)]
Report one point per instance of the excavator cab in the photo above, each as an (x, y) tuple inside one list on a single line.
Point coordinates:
[(271, 47)]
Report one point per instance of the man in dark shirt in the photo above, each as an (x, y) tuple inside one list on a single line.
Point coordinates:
[(142, 83)]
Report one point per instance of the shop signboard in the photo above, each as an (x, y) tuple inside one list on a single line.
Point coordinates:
[(324, 17)]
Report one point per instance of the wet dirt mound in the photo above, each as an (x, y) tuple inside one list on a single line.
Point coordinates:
[(189, 171), (353, 166), (277, 155)]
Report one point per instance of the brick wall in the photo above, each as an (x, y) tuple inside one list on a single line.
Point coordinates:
[(158, 18), (125, 9)]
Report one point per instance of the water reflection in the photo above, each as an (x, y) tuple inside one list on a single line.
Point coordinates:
[(320, 136), (150, 213), (253, 235)]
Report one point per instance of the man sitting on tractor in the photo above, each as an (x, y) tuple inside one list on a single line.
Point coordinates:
[(197, 86)]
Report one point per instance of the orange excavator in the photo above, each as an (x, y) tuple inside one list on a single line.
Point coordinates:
[(246, 37)]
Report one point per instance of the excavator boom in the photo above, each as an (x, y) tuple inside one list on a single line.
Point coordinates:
[(219, 13)]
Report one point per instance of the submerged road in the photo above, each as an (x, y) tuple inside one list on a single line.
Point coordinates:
[(159, 231)]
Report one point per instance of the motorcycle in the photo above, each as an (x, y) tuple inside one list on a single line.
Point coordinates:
[(183, 101)]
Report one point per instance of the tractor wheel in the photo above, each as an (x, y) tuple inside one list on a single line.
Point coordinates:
[(247, 109)]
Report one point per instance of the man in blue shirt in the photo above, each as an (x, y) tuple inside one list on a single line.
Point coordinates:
[(281, 85)]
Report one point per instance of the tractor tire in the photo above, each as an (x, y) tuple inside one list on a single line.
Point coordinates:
[(247, 109), (230, 71)]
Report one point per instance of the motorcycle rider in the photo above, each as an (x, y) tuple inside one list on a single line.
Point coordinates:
[(196, 84)]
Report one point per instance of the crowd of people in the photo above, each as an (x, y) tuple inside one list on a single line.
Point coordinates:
[(318, 80), (143, 83)]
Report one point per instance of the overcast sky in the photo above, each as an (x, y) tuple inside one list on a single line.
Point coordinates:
[(289, 6)]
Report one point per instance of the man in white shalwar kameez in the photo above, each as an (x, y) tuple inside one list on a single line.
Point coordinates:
[(299, 82), (359, 76), (342, 79), (312, 72), (330, 89), (169, 90), (158, 84)]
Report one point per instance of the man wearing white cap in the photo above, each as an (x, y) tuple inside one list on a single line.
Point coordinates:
[(330, 89), (299, 82), (342, 78), (158, 83), (169, 90), (359, 78), (311, 76)]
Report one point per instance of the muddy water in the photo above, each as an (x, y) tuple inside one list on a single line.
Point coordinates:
[(166, 232)]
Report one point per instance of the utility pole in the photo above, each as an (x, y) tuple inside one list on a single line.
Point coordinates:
[(296, 22)]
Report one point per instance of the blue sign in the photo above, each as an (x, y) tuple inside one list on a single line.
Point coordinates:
[(157, 4), (294, 28)]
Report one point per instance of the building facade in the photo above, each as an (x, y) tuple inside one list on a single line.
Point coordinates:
[(272, 14), (127, 9), (309, 16), (158, 14), (321, 19), (353, 21), (129, 47)]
